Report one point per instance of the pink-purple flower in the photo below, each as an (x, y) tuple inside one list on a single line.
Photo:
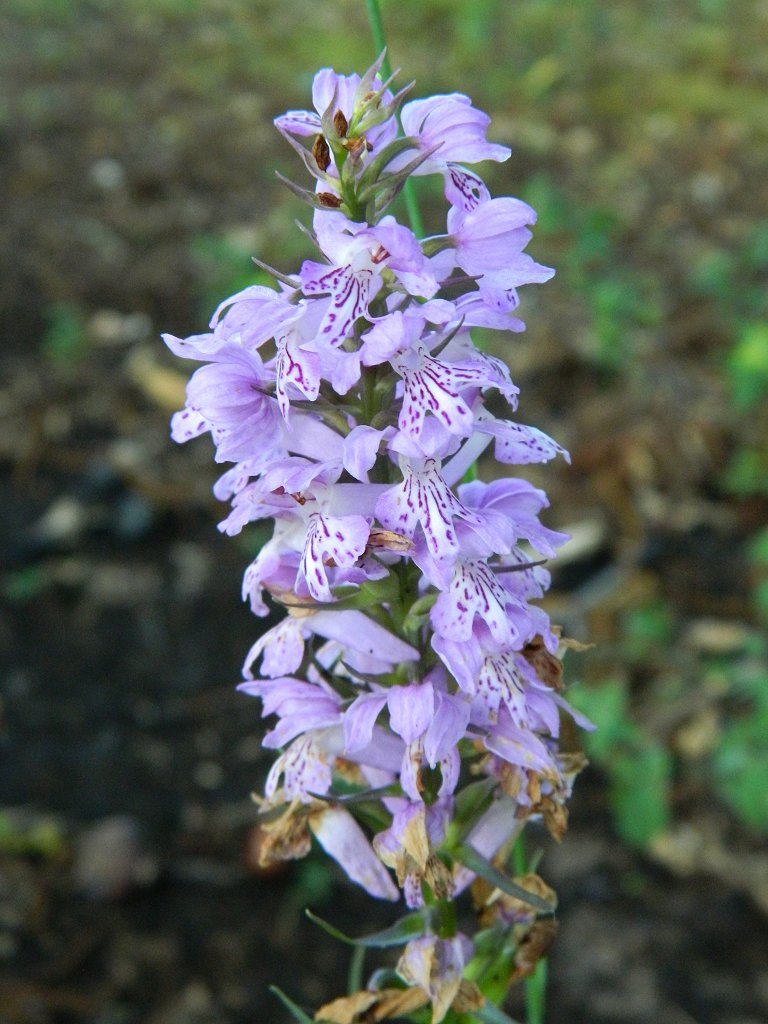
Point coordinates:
[(350, 401)]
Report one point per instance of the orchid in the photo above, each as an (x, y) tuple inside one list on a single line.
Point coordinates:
[(413, 671)]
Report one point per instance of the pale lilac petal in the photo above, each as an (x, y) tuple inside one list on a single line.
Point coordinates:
[(300, 706), (520, 445), (282, 648), (424, 498), (350, 289), (474, 590), (487, 237), (435, 386), (447, 727), (411, 709), (462, 659), (463, 188), (299, 122), (499, 681), (361, 447), (254, 315), (450, 769), (359, 633), (340, 539), (391, 334), (198, 346), (451, 119), (360, 718), (477, 313), (188, 423), (296, 368), (306, 770), (341, 837), (496, 827), (341, 368), (521, 747)]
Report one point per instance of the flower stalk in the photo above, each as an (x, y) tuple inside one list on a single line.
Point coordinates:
[(414, 684)]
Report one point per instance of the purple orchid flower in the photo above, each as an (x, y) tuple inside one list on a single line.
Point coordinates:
[(350, 401)]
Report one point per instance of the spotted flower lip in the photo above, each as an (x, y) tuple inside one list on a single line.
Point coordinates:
[(349, 402)]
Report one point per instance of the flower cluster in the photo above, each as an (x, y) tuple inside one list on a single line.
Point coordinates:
[(351, 402)]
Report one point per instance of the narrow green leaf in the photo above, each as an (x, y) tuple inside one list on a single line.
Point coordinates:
[(359, 796), (412, 926), (295, 1011), (355, 973), (471, 859)]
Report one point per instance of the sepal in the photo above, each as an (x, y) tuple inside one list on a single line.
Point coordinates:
[(313, 199), (309, 160), (393, 181)]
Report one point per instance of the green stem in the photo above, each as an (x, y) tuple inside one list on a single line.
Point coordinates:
[(377, 31), (535, 986), (355, 975), (535, 994), (380, 44)]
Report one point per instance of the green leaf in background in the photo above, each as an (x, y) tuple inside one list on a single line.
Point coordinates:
[(64, 340), (639, 769), (647, 629), (639, 791), (748, 366), (607, 706), (747, 472), (741, 767)]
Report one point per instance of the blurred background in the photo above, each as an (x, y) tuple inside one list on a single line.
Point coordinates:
[(137, 163)]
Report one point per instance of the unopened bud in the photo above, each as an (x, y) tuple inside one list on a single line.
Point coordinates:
[(321, 153), (341, 124)]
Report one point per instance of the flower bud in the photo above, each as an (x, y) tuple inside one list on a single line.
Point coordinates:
[(321, 153)]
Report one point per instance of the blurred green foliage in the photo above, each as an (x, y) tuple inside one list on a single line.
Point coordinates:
[(639, 756), (37, 837), (748, 366), (64, 340), (638, 768)]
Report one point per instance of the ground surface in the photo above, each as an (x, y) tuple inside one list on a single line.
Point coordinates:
[(137, 163)]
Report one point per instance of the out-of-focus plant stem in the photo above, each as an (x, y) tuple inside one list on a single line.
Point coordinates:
[(380, 44)]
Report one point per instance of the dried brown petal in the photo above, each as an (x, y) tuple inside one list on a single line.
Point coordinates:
[(389, 541), (499, 904), (567, 643), (285, 838), (545, 665), (345, 1009), (468, 999), (534, 946), (371, 1007)]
